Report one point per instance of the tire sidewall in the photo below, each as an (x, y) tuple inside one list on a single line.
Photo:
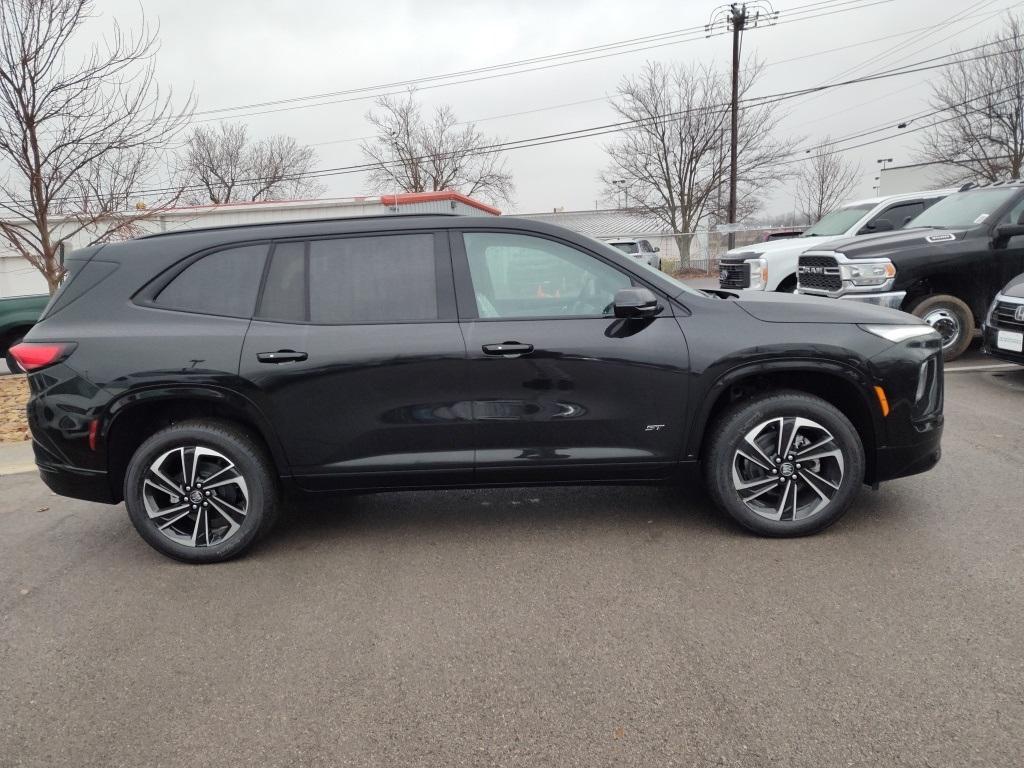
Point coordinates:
[(257, 483), (963, 313), (735, 425)]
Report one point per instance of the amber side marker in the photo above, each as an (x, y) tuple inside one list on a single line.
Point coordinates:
[(883, 401)]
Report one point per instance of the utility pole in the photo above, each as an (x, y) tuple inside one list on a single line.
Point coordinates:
[(738, 17)]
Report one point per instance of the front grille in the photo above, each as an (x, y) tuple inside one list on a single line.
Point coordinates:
[(734, 275), (1004, 316), (820, 272)]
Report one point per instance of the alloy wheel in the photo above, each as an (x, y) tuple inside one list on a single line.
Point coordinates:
[(195, 496), (787, 468)]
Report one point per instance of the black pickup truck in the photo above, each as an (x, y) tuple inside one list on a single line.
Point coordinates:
[(945, 267)]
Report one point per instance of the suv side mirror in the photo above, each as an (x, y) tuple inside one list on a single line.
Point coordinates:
[(1004, 232), (636, 303), (657, 249)]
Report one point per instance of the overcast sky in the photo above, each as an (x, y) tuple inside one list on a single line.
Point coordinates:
[(237, 52)]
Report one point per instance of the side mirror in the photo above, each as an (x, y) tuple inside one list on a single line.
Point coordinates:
[(636, 303), (1004, 232), (657, 249), (879, 225)]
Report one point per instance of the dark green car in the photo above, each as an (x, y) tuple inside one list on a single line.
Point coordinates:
[(17, 315)]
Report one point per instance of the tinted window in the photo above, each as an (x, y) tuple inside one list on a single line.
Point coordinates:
[(898, 214), (284, 293), (524, 276), (221, 283), (372, 279), (627, 247)]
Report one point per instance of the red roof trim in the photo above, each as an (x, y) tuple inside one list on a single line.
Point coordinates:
[(410, 198)]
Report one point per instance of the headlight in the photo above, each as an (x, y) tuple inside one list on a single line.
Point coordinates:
[(898, 333), (758, 273), (868, 273)]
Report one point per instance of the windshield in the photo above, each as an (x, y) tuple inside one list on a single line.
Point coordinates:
[(964, 209), (838, 222), (627, 247)]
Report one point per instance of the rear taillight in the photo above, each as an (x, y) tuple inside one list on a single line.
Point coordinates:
[(33, 355)]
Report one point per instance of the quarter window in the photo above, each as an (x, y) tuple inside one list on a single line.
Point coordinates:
[(525, 276), (220, 283)]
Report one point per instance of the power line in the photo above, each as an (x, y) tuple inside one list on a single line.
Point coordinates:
[(363, 93)]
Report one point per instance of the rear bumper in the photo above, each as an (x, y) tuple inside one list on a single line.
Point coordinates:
[(892, 462), (74, 482)]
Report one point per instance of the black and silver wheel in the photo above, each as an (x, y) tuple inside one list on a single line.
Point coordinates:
[(785, 464), (952, 318), (200, 491)]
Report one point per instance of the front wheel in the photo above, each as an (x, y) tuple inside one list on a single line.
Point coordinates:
[(784, 464), (952, 318), (201, 491)]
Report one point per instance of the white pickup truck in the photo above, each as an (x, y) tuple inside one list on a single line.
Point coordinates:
[(771, 265)]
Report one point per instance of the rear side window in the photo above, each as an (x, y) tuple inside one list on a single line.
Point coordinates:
[(220, 283), (382, 279)]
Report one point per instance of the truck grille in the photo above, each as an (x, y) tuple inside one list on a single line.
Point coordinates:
[(1004, 316), (734, 275), (820, 272)]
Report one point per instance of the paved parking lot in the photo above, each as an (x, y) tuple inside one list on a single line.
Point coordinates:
[(535, 627)]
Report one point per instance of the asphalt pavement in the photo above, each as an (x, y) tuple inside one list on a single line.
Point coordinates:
[(538, 627)]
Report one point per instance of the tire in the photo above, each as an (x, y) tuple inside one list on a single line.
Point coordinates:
[(952, 318), (752, 494), (210, 530), (13, 364)]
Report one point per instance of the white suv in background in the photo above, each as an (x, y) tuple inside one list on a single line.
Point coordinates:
[(771, 265), (638, 249)]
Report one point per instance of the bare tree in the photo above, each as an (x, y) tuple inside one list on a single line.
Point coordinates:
[(413, 154), (673, 158), (223, 165), (78, 139), (979, 132), (824, 180)]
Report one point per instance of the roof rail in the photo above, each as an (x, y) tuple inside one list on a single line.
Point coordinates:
[(331, 219)]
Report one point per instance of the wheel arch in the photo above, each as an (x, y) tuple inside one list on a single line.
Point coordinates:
[(840, 385), (947, 284), (138, 414)]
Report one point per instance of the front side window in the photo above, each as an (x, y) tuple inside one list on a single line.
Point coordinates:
[(525, 276), (898, 215), (627, 247), (220, 283)]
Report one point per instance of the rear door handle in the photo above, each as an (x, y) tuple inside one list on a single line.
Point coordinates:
[(508, 349), (281, 356)]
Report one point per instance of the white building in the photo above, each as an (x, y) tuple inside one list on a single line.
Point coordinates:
[(19, 278)]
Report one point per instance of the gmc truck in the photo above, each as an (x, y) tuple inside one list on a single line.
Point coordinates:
[(945, 267)]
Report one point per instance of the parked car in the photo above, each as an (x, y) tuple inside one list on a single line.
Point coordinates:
[(1003, 332), (17, 315), (639, 249), (771, 265), (945, 268), (198, 375)]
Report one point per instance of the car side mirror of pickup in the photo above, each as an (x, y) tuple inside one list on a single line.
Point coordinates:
[(636, 303), (879, 225), (1004, 232)]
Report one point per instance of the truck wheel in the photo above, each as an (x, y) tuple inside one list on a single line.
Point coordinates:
[(201, 491), (951, 318), (784, 464), (13, 364)]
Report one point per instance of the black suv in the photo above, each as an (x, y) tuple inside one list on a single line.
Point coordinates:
[(201, 375), (945, 267)]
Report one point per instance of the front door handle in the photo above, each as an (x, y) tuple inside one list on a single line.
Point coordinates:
[(508, 349), (281, 356)]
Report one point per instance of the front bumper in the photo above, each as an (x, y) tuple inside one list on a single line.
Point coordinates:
[(989, 347), (890, 299), (899, 461)]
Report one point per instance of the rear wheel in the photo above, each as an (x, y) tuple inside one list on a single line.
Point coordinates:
[(784, 464), (952, 318), (201, 491)]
